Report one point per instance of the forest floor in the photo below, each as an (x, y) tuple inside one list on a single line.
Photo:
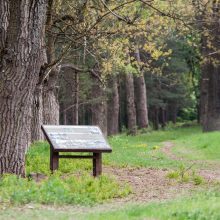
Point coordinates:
[(174, 171)]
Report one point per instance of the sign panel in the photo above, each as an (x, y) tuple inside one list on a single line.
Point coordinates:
[(76, 137)]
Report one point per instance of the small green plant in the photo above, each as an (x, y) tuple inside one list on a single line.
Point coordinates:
[(173, 175), (185, 174), (197, 179)]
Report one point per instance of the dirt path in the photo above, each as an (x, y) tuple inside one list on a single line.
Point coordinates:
[(149, 184)]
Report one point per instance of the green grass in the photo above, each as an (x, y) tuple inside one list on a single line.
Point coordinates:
[(203, 206), (37, 161), (143, 150), (199, 146)]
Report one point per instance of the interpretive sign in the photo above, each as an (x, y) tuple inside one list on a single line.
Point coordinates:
[(67, 138)]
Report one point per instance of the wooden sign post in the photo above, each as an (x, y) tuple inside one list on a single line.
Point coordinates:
[(76, 139)]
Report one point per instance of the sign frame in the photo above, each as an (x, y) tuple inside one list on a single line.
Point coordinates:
[(96, 156)]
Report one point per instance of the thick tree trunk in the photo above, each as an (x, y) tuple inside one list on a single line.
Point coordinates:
[(141, 97), (211, 107), (99, 108), (210, 83), (21, 31), (113, 107), (130, 104)]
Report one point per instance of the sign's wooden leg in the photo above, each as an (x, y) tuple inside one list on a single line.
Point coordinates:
[(97, 164), (54, 160)]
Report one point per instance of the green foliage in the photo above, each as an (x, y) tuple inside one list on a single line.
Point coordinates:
[(56, 189)]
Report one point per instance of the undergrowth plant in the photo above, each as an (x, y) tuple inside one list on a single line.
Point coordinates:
[(186, 174)]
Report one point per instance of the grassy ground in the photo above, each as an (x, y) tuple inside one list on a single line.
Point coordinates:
[(74, 185), (144, 150), (203, 206)]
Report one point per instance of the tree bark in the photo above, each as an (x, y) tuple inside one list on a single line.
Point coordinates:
[(130, 104), (50, 100), (37, 115), (156, 118), (210, 83), (21, 31), (113, 107), (140, 96), (99, 107), (211, 107), (163, 117), (75, 112)]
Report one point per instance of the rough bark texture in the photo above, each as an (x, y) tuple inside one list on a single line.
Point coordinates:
[(75, 112), (210, 83), (50, 97), (37, 115), (69, 96), (141, 101), (141, 97), (155, 118), (50, 100), (211, 100), (130, 104), (21, 30), (113, 107), (99, 108)]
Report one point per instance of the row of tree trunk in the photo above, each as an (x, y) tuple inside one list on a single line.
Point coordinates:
[(104, 106)]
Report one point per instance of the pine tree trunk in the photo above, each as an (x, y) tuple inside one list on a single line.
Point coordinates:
[(75, 112), (156, 118), (113, 107), (174, 113), (21, 31), (163, 117), (99, 108), (211, 108), (141, 101), (141, 97), (50, 100), (210, 85), (130, 104)]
